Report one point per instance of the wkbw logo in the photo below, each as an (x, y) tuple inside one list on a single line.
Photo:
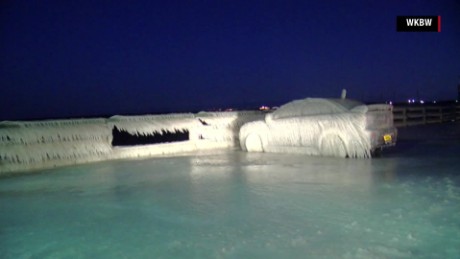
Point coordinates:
[(418, 23)]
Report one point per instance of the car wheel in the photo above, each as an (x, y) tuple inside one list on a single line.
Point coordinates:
[(376, 152), (253, 143), (333, 145)]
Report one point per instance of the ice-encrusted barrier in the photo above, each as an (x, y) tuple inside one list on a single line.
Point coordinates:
[(28, 145)]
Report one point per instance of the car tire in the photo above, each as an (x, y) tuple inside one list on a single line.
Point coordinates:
[(254, 143), (376, 152)]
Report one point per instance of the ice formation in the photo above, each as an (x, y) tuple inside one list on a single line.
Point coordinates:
[(330, 128), (314, 106), (224, 126), (153, 123), (340, 137), (315, 126), (50, 143), (41, 144)]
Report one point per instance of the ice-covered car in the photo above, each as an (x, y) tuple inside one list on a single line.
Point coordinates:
[(317, 126)]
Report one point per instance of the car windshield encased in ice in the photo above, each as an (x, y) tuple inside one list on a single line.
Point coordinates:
[(314, 106)]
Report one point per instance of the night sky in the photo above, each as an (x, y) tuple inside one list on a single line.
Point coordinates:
[(61, 59)]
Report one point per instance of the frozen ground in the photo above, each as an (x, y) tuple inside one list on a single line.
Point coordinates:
[(405, 204)]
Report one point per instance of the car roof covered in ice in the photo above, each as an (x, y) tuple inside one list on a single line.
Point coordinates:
[(314, 106)]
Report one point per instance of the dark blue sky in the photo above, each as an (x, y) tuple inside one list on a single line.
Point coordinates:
[(86, 58)]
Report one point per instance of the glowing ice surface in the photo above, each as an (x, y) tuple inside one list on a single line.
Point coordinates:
[(243, 205)]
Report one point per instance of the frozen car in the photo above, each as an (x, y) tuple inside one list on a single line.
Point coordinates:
[(317, 126)]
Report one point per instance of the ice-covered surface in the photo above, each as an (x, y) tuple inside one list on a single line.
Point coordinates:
[(28, 145), (244, 205), (39, 144), (317, 126), (335, 135), (314, 106), (224, 126)]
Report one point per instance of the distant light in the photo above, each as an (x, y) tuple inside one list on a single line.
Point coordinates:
[(264, 108), (409, 101), (456, 101), (422, 101), (434, 101), (391, 102)]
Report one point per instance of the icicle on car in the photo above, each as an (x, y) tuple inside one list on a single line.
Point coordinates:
[(317, 126)]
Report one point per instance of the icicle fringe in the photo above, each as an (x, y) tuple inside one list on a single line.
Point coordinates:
[(315, 126), (26, 145), (313, 138)]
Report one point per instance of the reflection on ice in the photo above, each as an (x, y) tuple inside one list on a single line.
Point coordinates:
[(240, 205)]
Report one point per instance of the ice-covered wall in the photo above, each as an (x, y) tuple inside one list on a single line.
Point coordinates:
[(42, 144), (26, 145), (223, 127)]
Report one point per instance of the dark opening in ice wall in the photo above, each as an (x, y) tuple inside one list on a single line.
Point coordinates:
[(124, 138)]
